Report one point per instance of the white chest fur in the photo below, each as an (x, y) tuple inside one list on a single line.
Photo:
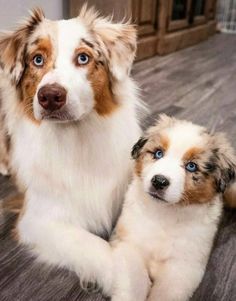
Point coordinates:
[(165, 232), (77, 173)]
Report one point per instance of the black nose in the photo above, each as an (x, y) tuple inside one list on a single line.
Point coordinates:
[(52, 97), (160, 182)]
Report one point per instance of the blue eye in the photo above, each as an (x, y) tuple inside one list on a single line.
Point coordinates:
[(191, 167), (83, 59), (158, 154), (38, 60)]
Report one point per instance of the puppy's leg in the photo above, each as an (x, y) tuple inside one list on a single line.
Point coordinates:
[(131, 281), (66, 245), (176, 281)]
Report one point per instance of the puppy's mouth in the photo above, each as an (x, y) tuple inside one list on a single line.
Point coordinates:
[(157, 196)]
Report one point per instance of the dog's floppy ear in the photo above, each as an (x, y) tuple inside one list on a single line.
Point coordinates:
[(13, 45), (116, 40), (138, 147), (225, 161)]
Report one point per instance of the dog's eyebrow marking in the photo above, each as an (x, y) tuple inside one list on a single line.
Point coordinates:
[(89, 44), (35, 42)]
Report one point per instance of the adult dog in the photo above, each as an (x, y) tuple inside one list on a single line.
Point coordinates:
[(70, 109)]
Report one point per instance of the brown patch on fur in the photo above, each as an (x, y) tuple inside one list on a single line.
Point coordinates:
[(198, 192), (98, 75), (147, 153), (192, 153), (117, 42), (13, 45), (33, 75), (138, 168)]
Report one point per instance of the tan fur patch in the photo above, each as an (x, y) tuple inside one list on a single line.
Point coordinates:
[(33, 75), (98, 75), (147, 154), (192, 153), (12, 46), (201, 191)]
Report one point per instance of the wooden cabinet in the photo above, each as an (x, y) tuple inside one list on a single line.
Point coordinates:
[(178, 24), (164, 26)]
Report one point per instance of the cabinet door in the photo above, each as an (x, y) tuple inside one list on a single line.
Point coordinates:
[(198, 14), (211, 9), (178, 14), (144, 13)]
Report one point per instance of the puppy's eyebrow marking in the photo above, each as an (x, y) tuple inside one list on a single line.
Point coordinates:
[(89, 44), (164, 142), (192, 153)]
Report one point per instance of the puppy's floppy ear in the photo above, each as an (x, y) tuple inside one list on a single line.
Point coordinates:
[(116, 40), (225, 161), (13, 45), (138, 147)]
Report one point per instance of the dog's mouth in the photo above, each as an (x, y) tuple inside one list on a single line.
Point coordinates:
[(57, 116), (156, 196)]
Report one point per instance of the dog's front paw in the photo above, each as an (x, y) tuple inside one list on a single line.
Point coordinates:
[(90, 287)]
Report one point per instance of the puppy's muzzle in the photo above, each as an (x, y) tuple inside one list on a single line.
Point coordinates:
[(159, 184), (52, 97)]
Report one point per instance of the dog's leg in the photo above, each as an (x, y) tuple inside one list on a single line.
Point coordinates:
[(176, 281), (4, 157), (131, 281), (66, 245)]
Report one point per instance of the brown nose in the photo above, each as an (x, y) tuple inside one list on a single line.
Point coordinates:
[(52, 97)]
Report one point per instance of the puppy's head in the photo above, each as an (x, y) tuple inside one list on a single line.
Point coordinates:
[(180, 162), (64, 70)]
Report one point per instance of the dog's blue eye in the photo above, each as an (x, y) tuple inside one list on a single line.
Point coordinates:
[(38, 60), (83, 59), (158, 154), (191, 167)]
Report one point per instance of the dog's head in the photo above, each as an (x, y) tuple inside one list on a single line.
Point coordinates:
[(64, 70), (180, 162)]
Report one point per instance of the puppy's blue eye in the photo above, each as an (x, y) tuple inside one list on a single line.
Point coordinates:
[(83, 59), (158, 154), (38, 60), (191, 167)]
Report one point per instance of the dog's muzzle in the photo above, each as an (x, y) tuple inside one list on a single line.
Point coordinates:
[(52, 99)]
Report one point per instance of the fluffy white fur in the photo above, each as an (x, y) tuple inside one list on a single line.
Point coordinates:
[(74, 174)]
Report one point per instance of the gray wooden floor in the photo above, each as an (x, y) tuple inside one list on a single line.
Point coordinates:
[(198, 84)]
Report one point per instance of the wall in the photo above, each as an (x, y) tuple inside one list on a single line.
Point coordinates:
[(11, 11), (119, 8)]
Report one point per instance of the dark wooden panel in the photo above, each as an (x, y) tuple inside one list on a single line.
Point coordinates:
[(144, 15)]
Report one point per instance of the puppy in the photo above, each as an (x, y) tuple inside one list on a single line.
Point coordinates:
[(68, 99), (171, 211)]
